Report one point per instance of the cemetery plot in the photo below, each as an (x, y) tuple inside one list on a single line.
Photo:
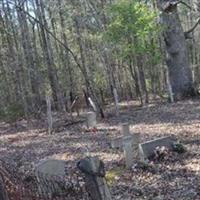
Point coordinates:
[(25, 148)]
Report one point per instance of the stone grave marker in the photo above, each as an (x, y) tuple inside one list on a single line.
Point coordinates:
[(117, 143), (125, 129), (48, 173), (130, 146), (147, 149), (91, 120), (94, 172), (52, 167), (131, 149)]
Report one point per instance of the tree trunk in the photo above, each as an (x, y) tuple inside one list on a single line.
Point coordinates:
[(48, 52), (32, 74), (135, 76), (65, 54), (180, 73), (15, 56), (142, 80), (85, 71)]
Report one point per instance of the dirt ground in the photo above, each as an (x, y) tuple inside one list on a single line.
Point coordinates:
[(177, 177)]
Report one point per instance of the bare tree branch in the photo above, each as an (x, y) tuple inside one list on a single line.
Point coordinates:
[(187, 33), (187, 5), (50, 33), (171, 4)]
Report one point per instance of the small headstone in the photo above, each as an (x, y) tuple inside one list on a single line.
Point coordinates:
[(147, 149), (91, 120), (125, 129)]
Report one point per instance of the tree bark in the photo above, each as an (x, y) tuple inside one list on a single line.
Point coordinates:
[(177, 60), (48, 52), (65, 54), (32, 74), (85, 69)]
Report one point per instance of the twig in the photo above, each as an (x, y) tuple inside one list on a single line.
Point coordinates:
[(187, 33), (50, 33), (184, 3)]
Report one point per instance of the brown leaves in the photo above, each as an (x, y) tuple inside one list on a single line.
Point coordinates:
[(176, 176)]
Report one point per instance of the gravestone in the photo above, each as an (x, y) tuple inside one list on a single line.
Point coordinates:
[(125, 129), (51, 168), (91, 120), (49, 174), (95, 182), (117, 143), (147, 149)]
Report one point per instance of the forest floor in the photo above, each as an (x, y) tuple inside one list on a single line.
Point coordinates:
[(175, 177)]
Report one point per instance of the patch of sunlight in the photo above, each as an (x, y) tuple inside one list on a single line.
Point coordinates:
[(61, 156), (193, 165), (113, 175), (66, 156)]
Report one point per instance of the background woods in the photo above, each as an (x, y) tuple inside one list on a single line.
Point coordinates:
[(65, 65), (100, 49)]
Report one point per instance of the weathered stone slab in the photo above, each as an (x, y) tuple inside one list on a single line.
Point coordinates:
[(147, 149), (51, 167), (49, 173)]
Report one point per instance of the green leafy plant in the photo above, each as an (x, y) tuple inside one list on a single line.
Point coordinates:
[(179, 148), (131, 25)]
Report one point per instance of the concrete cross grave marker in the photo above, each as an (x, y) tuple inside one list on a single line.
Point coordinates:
[(131, 149), (117, 143), (130, 146), (129, 142)]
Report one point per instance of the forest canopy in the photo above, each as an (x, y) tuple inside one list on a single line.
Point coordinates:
[(97, 49)]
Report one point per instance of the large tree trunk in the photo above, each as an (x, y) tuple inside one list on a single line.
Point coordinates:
[(180, 73)]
